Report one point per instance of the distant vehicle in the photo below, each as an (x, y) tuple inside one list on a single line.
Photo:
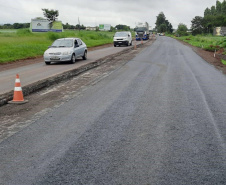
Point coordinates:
[(65, 49), (162, 34), (142, 31), (122, 38)]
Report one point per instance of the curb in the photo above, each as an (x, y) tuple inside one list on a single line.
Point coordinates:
[(36, 86)]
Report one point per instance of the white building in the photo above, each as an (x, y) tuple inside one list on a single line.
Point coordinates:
[(91, 28)]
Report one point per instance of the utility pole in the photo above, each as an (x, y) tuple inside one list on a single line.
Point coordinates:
[(78, 24)]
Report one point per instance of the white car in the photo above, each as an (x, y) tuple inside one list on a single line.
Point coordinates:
[(65, 49), (123, 38)]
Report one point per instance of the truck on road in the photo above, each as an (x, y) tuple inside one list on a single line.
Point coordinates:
[(142, 31)]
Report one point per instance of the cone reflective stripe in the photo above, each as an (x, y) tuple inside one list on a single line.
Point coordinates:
[(17, 89), (17, 79), (18, 94)]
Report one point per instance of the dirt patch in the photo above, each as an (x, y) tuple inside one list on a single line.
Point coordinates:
[(100, 47), (208, 56)]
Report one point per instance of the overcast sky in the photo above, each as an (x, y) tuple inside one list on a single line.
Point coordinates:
[(95, 12)]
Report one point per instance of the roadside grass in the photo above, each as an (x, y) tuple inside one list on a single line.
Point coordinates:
[(8, 30), (24, 44), (209, 42), (223, 61)]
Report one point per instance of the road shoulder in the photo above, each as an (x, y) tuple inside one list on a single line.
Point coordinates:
[(208, 56)]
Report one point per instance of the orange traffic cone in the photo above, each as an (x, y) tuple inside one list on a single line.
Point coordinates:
[(18, 94), (135, 45)]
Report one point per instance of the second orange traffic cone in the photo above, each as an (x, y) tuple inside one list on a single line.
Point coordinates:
[(135, 45), (18, 94)]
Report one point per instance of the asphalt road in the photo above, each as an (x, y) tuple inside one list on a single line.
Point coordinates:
[(39, 71), (159, 119)]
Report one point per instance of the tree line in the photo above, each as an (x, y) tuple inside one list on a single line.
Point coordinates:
[(82, 27), (214, 16), (27, 25), (15, 26), (65, 26)]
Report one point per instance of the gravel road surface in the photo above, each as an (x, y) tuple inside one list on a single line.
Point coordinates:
[(159, 119)]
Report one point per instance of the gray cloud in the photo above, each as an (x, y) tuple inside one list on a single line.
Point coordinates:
[(95, 12)]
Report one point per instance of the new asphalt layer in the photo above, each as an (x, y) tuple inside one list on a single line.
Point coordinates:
[(159, 119)]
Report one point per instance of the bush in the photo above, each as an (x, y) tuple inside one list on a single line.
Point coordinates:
[(53, 36), (223, 61), (223, 45), (209, 48), (212, 48), (80, 34), (93, 37), (23, 32)]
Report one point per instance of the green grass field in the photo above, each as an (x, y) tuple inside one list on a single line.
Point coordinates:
[(21, 44), (209, 43)]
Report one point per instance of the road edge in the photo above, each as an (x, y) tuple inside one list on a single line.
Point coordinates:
[(36, 86)]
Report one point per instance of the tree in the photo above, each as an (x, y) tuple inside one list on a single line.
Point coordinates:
[(207, 12), (51, 15), (170, 28), (17, 25), (182, 30), (112, 28), (160, 19), (218, 7), (7, 26), (162, 28), (208, 24), (40, 18), (223, 8), (213, 10), (80, 27), (214, 17), (197, 25), (68, 26), (163, 25), (122, 27)]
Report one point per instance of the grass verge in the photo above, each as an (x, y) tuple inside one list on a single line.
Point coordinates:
[(209, 42), (223, 61), (24, 44)]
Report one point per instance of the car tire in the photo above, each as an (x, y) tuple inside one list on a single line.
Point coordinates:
[(131, 43), (127, 44), (47, 63), (114, 45), (73, 59), (84, 57)]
